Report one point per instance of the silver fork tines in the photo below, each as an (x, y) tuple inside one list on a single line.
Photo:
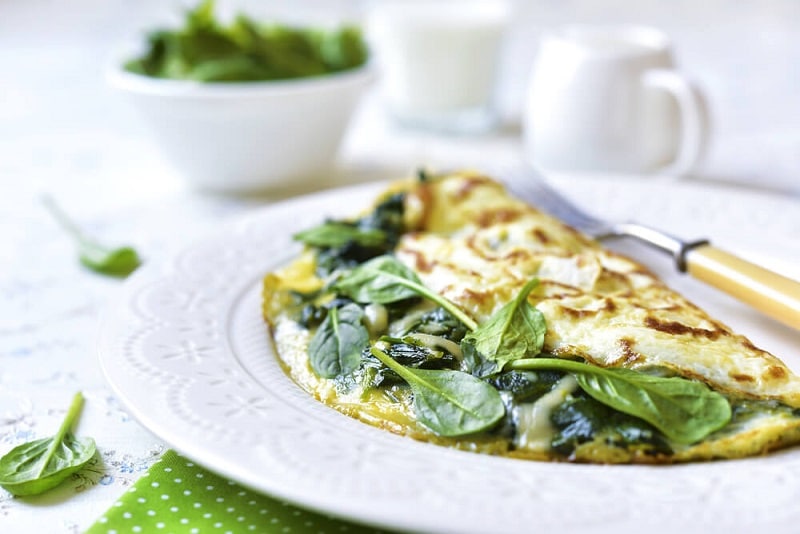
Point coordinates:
[(531, 187)]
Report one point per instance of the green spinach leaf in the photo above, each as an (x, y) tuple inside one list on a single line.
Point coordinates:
[(581, 418), (525, 386), (436, 322), (684, 410), (411, 353), (449, 403), (339, 234), (119, 262), (336, 346), (515, 331), (42, 464), (343, 49), (206, 50), (387, 219), (384, 280)]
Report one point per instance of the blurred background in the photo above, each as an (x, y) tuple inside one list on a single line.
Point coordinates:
[(59, 121)]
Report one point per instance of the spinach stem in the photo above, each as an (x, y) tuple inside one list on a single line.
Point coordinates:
[(533, 364), (526, 290), (389, 362), (413, 378), (454, 310), (64, 220), (66, 426)]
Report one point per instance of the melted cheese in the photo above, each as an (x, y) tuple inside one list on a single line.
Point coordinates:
[(534, 429)]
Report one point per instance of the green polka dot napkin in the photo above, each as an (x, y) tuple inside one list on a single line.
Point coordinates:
[(177, 496)]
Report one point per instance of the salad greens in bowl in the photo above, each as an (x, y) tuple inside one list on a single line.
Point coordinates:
[(207, 50), (244, 106)]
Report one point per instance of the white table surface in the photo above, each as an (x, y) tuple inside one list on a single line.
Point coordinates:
[(63, 132)]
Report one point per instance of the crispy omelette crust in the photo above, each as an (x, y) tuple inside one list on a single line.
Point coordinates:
[(473, 243)]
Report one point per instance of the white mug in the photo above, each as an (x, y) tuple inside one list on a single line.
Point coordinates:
[(608, 98)]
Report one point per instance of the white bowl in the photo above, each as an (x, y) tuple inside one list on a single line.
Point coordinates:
[(247, 137)]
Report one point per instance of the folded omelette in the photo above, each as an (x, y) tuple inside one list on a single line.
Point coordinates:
[(456, 314)]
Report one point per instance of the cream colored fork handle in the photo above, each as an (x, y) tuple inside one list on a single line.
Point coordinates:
[(769, 292)]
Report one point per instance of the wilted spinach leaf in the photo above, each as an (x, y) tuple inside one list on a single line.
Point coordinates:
[(409, 353), (581, 419), (336, 346), (449, 403), (312, 314), (437, 322), (686, 411), (386, 219), (385, 280), (382, 280), (525, 386)]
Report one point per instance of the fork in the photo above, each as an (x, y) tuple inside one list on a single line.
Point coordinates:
[(774, 295)]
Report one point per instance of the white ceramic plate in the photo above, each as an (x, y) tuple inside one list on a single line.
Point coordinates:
[(187, 352)]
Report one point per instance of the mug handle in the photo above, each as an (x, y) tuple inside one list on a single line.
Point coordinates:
[(694, 118)]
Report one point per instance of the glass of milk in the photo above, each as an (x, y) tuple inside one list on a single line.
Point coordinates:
[(439, 60)]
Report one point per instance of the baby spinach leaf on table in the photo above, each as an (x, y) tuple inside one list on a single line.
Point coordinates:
[(338, 234), (120, 261), (385, 279), (515, 331), (449, 403), (42, 464), (336, 346), (684, 410)]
